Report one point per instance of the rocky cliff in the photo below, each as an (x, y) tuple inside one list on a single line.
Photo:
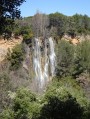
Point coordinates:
[(6, 45)]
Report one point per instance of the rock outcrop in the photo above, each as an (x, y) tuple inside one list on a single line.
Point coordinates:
[(6, 45)]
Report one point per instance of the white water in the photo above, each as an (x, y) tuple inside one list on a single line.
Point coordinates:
[(37, 63), (42, 75), (52, 57)]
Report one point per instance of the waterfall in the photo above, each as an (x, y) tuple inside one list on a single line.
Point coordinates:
[(52, 57), (37, 63), (42, 74)]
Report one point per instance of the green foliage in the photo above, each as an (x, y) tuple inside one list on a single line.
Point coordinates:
[(24, 106), (59, 21), (7, 114), (9, 10), (23, 103), (4, 79), (16, 31), (24, 30), (64, 99), (63, 86), (7, 28), (82, 58), (13, 10), (58, 109), (16, 57), (59, 94), (57, 24), (65, 57), (72, 60), (87, 114), (25, 37), (73, 25), (5, 86)]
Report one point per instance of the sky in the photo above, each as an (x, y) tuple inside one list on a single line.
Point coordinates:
[(66, 7)]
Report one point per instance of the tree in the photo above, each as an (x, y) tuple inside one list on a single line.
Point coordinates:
[(59, 21), (71, 29), (24, 105), (82, 58), (9, 11), (58, 109), (86, 24), (40, 23), (61, 101), (81, 24), (16, 57), (65, 57)]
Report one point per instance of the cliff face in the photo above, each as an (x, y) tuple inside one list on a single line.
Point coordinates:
[(5, 45), (76, 40), (9, 44)]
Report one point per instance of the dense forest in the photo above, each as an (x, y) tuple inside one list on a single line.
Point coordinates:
[(57, 24), (66, 94)]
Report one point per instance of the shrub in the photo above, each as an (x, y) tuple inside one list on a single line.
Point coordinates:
[(61, 109), (5, 86), (7, 114), (65, 58), (82, 58), (16, 57), (23, 103)]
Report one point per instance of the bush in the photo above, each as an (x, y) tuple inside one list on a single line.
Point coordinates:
[(23, 103), (16, 57), (7, 114), (61, 109), (82, 58), (5, 86), (65, 58), (63, 99)]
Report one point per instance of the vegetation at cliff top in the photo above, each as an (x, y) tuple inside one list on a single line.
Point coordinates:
[(56, 24)]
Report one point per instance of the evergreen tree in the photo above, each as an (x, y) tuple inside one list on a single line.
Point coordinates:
[(9, 11)]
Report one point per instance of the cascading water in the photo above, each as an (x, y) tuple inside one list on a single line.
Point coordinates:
[(46, 72), (37, 63), (52, 57), (42, 74)]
